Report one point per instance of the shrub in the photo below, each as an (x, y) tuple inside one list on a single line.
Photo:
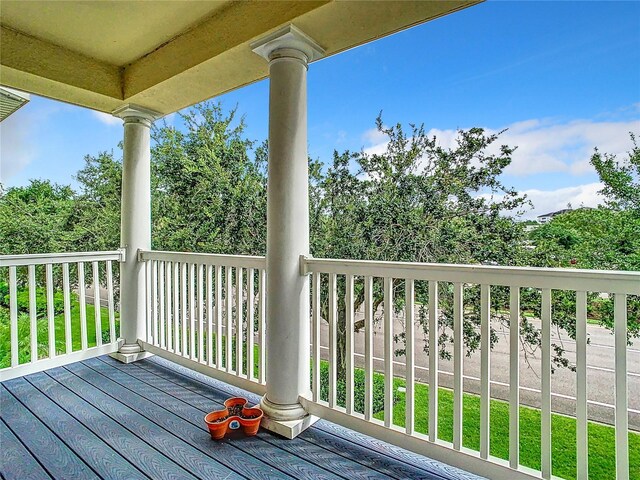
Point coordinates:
[(22, 300), (358, 389)]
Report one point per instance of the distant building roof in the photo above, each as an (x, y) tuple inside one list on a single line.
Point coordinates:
[(550, 215), (553, 214), (10, 101)]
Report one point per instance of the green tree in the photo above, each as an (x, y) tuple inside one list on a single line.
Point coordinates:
[(418, 202), (606, 238), (209, 193), (621, 179), (37, 218), (596, 239), (98, 203)]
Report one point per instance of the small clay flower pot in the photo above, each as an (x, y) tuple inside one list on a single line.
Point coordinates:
[(235, 415)]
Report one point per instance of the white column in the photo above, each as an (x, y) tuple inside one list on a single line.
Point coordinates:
[(287, 338), (135, 231)]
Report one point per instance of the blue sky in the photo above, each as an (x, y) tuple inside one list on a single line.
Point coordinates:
[(563, 77)]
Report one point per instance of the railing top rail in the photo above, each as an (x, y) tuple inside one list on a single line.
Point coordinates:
[(622, 282), (242, 261), (49, 258)]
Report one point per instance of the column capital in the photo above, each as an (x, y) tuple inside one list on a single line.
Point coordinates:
[(136, 114), (287, 38)]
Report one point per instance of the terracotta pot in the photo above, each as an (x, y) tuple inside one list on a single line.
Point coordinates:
[(250, 426), (217, 429), (220, 422)]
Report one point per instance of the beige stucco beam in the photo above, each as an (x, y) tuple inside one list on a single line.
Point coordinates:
[(40, 67), (236, 24)]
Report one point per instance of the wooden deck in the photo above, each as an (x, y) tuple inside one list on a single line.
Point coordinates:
[(103, 419)]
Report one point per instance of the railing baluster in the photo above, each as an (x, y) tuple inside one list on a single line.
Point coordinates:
[(349, 342), (50, 312), (218, 315), (183, 308), (200, 331), (514, 377), (95, 272), (192, 312), (410, 356), (250, 322), (434, 351), (154, 295), (33, 319), (210, 317), (333, 342), (176, 309), (582, 438), (171, 303), (239, 321), (621, 393), (161, 289), (113, 335), (13, 313), (368, 347), (388, 351), (458, 314), (262, 319), (147, 294), (315, 309), (83, 307), (485, 369), (228, 300), (545, 430)]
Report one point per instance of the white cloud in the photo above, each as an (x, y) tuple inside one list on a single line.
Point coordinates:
[(545, 201), (565, 147), (17, 144), (106, 118), (543, 146), (377, 140)]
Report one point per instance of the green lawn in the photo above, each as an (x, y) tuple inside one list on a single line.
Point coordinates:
[(24, 335), (563, 431)]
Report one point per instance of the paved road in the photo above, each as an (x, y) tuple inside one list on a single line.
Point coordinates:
[(600, 359)]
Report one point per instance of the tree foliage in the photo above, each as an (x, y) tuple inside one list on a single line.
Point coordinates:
[(209, 193), (417, 201), (37, 218), (621, 179), (98, 201), (597, 239)]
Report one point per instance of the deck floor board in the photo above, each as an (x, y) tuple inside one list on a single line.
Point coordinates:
[(15, 453), (103, 419)]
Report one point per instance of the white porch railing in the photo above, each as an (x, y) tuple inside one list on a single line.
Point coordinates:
[(367, 275), (44, 286), (207, 312)]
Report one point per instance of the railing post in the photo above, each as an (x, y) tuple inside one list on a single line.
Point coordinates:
[(135, 231), (288, 52)]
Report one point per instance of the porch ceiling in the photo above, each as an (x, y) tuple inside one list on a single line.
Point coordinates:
[(166, 55)]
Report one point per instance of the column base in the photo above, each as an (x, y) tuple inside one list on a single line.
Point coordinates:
[(280, 412), (286, 420), (130, 357), (288, 428), (129, 353)]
